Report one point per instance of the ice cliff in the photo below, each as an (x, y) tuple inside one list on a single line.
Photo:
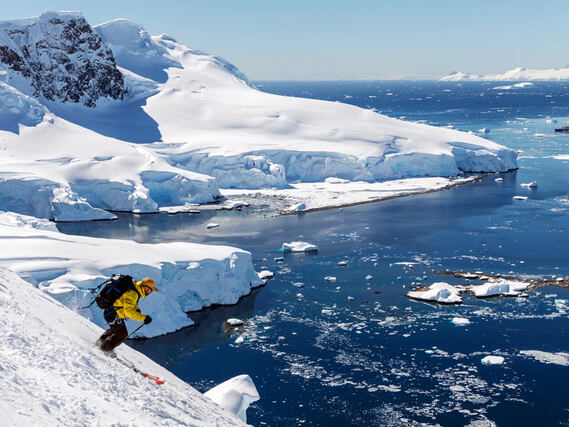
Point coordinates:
[(189, 276)]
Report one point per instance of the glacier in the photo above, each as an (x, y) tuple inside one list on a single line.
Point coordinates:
[(167, 125)]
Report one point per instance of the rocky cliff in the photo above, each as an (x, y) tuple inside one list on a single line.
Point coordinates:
[(59, 57)]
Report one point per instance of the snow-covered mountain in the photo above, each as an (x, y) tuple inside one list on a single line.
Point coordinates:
[(52, 374), (58, 57), (516, 74), (139, 122)]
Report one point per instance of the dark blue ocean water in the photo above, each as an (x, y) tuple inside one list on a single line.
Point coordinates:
[(357, 351)]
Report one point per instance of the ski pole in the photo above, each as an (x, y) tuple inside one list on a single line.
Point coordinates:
[(134, 331)]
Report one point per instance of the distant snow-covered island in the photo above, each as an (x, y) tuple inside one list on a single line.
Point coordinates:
[(516, 74)]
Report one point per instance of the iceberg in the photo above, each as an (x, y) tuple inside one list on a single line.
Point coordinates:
[(440, 292), (299, 247), (235, 395)]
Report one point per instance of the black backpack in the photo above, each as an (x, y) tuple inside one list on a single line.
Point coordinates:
[(113, 289)]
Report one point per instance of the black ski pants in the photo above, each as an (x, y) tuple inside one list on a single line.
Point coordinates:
[(113, 336)]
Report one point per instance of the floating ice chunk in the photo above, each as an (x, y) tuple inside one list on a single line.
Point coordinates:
[(532, 184), (499, 179), (212, 225), (298, 284), (343, 263), (299, 247), (439, 292), (235, 322), (278, 259), (235, 395), (299, 207), (501, 287), (299, 295), (240, 339), (266, 274), (545, 357), (484, 130), (351, 298), (492, 360), (539, 135), (330, 278), (235, 204), (470, 276), (327, 311), (369, 277), (560, 279), (562, 305), (461, 321), (520, 198)]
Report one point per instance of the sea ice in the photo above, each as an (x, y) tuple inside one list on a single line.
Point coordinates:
[(532, 184), (330, 278), (520, 197), (559, 358)]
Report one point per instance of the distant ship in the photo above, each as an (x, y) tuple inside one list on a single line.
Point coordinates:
[(564, 129)]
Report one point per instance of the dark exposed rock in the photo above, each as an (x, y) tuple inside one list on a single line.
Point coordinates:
[(61, 58)]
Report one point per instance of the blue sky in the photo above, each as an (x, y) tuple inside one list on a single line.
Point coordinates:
[(319, 39)]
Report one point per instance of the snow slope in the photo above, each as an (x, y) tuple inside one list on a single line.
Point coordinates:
[(513, 75), (179, 124), (51, 373), (189, 276)]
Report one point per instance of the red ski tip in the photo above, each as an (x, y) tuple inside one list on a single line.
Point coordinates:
[(154, 378)]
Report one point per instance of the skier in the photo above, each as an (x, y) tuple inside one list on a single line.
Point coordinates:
[(126, 305)]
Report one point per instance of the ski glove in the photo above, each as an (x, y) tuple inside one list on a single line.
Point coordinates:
[(147, 320)]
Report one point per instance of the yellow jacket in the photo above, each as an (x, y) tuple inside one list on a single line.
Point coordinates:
[(127, 304)]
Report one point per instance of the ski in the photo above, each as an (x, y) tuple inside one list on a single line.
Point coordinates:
[(154, 378)]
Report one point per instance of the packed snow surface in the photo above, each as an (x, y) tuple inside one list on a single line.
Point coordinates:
[(179, 124), (189, 276), (515, 74), (52, 374)]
